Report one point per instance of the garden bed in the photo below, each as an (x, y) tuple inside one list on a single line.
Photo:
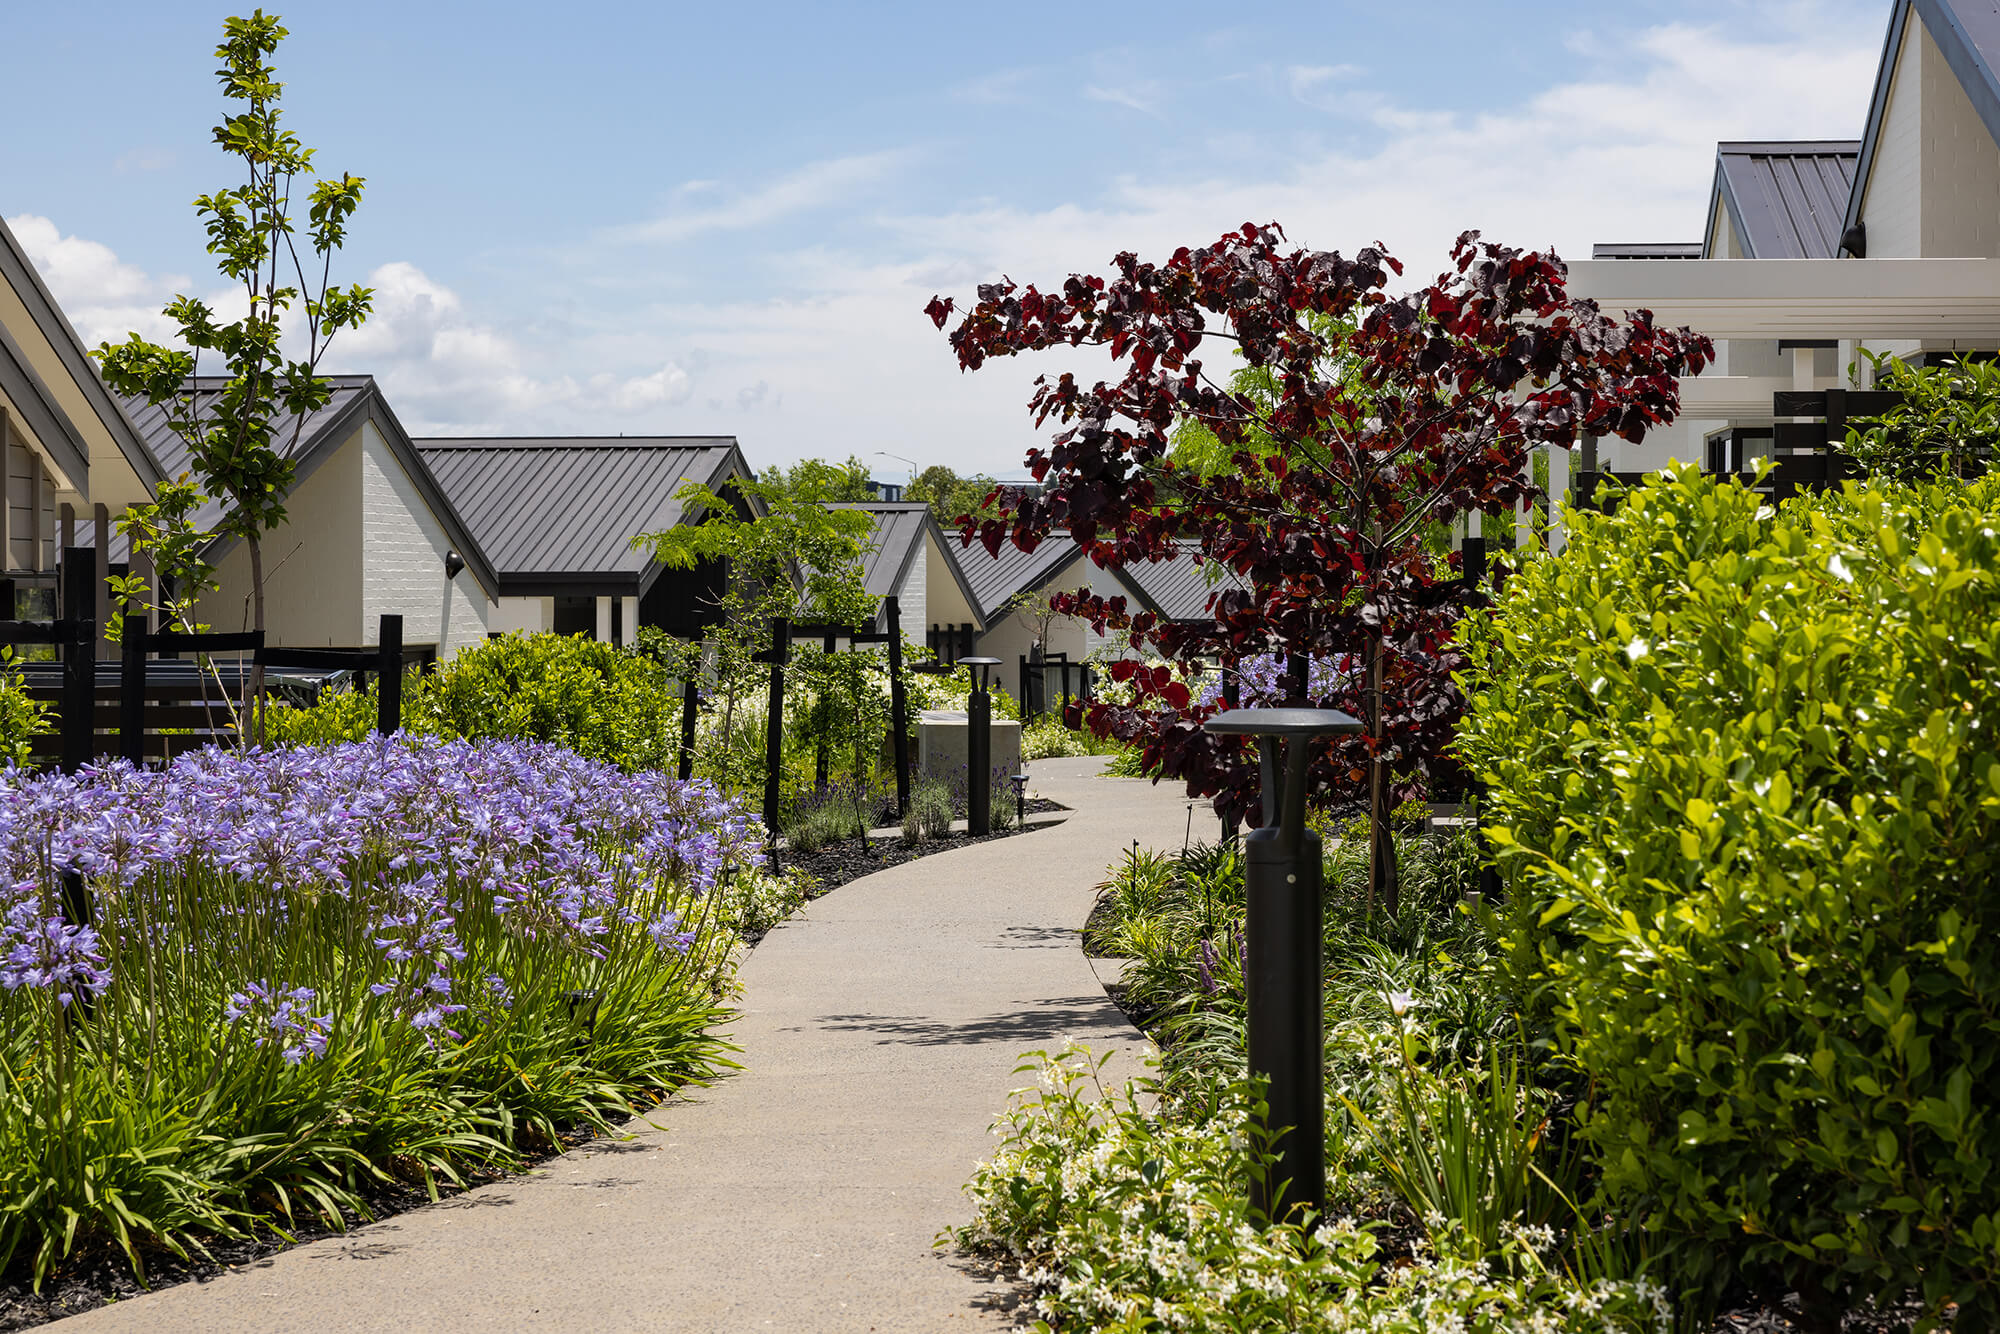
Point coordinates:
[(836, 864)]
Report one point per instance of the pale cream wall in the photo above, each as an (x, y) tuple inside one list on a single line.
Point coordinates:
[(403, 552), (312, 564), (944, 602), (1014, 634), (526, 615), (1892, 204), (112, 482)]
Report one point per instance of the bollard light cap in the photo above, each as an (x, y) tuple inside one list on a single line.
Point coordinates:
[(1281, 722)]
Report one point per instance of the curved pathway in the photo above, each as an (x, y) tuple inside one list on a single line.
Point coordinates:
[(880, 1032)]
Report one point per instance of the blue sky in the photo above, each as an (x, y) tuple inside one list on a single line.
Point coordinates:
[(674, 219)]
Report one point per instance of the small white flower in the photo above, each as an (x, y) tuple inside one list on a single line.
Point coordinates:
[(1400, 1002)]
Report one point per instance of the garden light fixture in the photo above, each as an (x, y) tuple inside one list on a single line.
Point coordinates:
[(1282, 963), (1020, 782), (979, 747)]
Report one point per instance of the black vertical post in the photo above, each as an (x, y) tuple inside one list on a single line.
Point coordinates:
[(389, 690), (1282, 930), (690, 697), (1027, 694), (823, 710), (132, 690), (774, 725), (899, 707), (1282, 955), (1296, 666), (79, 697), (979, 749)]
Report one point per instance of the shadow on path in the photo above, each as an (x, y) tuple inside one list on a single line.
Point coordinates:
[(1045, 1021)]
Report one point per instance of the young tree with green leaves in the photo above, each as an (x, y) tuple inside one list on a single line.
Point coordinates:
[(243, 435), (796, 559)]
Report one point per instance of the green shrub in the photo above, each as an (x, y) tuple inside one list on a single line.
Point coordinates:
[(21, 717), (604, 704), (1047, 738), (1744, 774), (930, 814)]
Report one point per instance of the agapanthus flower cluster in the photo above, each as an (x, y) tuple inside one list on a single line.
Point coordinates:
[(414, 831), (38, 949), (1262, 681), (281, 1017)]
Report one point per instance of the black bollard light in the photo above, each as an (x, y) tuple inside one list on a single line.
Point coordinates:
[(979, 747), (1282, 967), (1020, 782)]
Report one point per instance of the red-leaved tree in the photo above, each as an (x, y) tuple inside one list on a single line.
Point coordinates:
[(1373, 420)]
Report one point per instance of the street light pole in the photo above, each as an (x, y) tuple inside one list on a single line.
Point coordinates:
[(1283, 964)]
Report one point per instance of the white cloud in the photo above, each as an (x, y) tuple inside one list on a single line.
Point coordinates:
[(812, 188), (999, 88), (446, 373), (104, 297), (828, 352)]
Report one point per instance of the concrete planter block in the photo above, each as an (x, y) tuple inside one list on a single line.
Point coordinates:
[(941, 744)]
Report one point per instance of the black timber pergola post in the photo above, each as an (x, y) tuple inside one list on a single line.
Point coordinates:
[(79, 651), (389, 690), (899, 707), (690, 699), (774, 723), (132, 690)]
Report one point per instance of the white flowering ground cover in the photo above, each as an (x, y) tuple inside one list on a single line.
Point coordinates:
[(1125, 1208), (314, 971)]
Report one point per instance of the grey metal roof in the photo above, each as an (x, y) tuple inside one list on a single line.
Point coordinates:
[(1786, 199), (355, 398), (998, 580), (1646, 250), (1967, 33), (1178, 589), (568, 507), (897, 539), (166, 445)]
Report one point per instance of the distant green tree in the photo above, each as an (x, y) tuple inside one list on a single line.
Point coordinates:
[(837, 483), (949, 495), (797, 559)]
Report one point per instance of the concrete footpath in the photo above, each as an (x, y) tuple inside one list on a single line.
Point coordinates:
[(880, 1031)]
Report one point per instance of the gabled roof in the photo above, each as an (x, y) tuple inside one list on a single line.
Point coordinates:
[(355, 399), (1178, 589), (1786, 199), (1967, 33), (557, 514), (997, 581), (1646, 250), (897, 542), (20, 274)]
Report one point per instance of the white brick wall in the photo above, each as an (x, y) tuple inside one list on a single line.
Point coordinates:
[(403, 550), (912, 599)]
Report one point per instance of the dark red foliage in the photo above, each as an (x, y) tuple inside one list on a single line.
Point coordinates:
[(1392, 414)]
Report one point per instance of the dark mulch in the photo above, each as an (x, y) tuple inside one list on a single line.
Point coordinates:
[(98, 1278), (837, 863)]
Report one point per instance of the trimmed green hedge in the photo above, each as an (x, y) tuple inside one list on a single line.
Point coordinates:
[(602, 703), (1745, 774)]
